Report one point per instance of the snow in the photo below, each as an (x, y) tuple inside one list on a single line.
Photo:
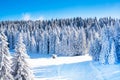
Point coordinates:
[(73, 68), (58, 60)]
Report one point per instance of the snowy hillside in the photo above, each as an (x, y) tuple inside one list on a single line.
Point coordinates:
[(73, 68)]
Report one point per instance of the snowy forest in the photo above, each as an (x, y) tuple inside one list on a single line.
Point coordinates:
[(99, 38)]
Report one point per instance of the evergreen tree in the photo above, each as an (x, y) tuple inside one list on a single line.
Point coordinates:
[(117, 38), (105, 46), (63, 43), (45, 43), (20, 65), (5, 62), (84, 49), (40, 43), (76, 43), (52, 40), (57, 45), (33, 48), (112, 58), (95, 48)]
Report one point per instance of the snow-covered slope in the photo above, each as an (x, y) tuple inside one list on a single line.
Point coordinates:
[(73, 68)]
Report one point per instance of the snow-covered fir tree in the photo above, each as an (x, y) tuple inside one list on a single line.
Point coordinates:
[(76, 43), (33, 45), (83, 41), (40, 43), (95, 48), (57, 45), (105, 46), (52, 40), (21, 69), (112, 58), (63, 43), (45, 43), (5, 61), (117, 38)]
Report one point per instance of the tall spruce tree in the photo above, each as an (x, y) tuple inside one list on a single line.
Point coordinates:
[(112, 58), (5, 62), (94, 50), (20, 65), (105, 46)]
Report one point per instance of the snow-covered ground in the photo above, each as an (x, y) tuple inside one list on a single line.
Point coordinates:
[(73, 68)]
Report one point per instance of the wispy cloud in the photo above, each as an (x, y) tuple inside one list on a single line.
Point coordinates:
[(40, 18), (26, 16)]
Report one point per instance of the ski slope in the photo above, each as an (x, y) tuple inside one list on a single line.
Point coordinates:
[(72, 68)]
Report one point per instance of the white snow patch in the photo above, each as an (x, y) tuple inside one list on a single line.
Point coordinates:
[(58, 61), (73, 68)]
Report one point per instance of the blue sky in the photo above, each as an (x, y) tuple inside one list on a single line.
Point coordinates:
[(47, 9)]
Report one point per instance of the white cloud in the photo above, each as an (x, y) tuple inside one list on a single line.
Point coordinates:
[(41, 18), (26, 16)]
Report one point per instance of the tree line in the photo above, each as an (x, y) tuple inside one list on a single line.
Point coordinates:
[(68, 37)]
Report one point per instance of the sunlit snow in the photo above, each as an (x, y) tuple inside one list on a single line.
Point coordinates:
[(73, 68), (58, 61)]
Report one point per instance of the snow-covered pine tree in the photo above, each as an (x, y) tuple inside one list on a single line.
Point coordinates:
[(20, 65), (27, 41), (112, 58), (81, 42), (84, 49), (5, 62), (52, 39), (95, 48), (33, 45), (117, 38), (57, 45), (40, 43), (45, 43), (63, 43), (76, 43), (69, 41), (102, 59), (105, 46)]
